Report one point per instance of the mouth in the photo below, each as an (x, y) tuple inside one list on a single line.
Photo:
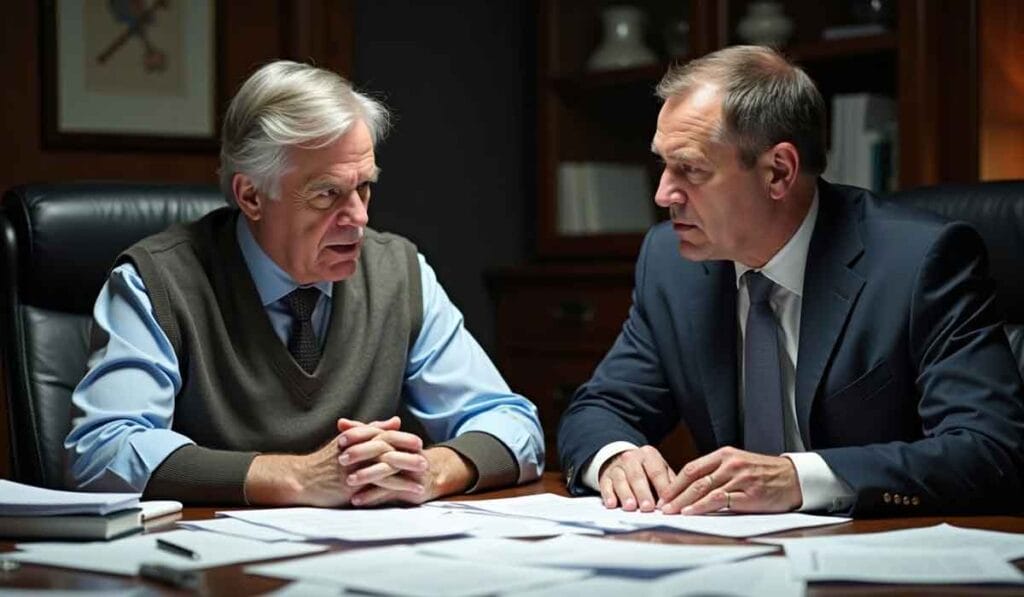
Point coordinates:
[(344, 250), (681, 227)]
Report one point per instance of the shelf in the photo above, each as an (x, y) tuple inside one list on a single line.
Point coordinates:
[(842, 48), (649, 74)]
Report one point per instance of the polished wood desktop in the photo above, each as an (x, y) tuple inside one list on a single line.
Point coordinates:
[(230, 580)]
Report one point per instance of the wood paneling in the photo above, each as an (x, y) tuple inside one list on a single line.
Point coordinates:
[(1001, 127)]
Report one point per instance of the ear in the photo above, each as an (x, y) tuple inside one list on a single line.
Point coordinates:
[(782, 167), (248, 198)]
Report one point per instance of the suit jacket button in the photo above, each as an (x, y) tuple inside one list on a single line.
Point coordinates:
[(915, 500), (886, 497)]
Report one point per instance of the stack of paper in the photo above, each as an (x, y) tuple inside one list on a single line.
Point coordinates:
[(17, 499)]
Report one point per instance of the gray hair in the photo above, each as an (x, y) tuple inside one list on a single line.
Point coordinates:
[(766, 100), (288, 104)]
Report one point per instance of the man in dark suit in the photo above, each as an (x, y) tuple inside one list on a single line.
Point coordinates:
[(827, 351)]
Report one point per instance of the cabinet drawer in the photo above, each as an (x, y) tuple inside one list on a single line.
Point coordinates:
[(568, 317)]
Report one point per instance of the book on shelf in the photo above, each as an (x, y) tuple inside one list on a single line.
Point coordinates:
[(603, 198), (72, 526), (863, 133)]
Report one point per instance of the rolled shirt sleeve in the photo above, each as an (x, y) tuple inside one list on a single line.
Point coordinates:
[(455, 390)]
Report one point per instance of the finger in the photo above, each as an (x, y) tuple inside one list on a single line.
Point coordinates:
[(402, 440), (658, 472), (694, 471), (402, 484), (364, 452), (372, 496), (713, 502), (371, 474), (393, 423), (620, 484), (405, 461), (696, 491), (608, 497), (640, 486), (358, 435)]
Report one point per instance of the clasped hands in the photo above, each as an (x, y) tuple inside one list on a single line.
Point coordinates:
[(366, 464), (728, 478)]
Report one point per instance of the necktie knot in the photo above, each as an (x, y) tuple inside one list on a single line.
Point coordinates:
[(759, 287), (302, 301)]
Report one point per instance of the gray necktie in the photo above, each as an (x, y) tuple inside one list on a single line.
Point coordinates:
[(302, 343), (762, 403)]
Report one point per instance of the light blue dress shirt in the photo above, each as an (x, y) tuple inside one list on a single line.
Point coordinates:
[(126, 400)]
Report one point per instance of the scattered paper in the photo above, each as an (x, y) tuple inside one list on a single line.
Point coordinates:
[(587, 552), (590, 511), (1009, 546), (900, 565), (124, 556), (240, 528), (401, 570), (760, 576), (354, 525)]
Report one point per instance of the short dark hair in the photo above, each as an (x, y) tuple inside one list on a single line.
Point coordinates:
[(766, 100)]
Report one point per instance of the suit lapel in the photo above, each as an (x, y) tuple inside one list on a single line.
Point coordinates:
[(831, 289), (713, 316)]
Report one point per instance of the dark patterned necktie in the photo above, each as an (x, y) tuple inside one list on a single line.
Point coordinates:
[(302, 343), (762, 402)]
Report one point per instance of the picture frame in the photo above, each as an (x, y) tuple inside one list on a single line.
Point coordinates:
[(130, 74)]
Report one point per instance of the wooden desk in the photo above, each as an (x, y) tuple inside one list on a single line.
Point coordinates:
[(229, 580)]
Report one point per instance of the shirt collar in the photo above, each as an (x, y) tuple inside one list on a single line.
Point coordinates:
[(786, 268), (272, 282)]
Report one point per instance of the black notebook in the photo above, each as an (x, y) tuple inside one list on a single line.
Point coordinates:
[(72, 526)]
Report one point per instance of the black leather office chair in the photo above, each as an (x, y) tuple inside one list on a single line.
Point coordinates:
[(59, 241), (996, 210)]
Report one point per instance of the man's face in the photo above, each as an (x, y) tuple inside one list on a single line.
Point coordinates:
[(314, 230), (716, 204)]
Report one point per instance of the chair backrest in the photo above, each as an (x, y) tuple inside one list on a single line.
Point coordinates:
[(58, 244), (996, 210)]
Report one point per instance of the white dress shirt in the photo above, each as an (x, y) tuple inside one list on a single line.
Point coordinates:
[(820, 487)]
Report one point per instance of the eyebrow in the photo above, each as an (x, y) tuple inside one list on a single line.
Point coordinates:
[(330, 182)]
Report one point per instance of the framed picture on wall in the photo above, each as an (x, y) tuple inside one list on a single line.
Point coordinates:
[(130, 74)]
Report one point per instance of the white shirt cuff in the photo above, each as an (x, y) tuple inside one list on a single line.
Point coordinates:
[(593, 469), (821, 488)]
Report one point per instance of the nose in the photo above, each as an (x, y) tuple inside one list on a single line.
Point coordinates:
[(353, 211), (669, 191)]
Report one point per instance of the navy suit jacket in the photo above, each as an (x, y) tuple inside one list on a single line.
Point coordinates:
[(905, 382)]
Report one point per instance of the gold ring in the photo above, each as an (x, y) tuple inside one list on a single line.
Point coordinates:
[(728, 501)]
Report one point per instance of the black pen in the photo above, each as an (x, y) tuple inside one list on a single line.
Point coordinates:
[(183, 579), (174, 548)]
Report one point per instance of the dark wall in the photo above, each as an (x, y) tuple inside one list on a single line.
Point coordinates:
[(454, 179)]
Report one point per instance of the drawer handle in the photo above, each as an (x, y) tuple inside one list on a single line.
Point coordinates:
[(574, 312)]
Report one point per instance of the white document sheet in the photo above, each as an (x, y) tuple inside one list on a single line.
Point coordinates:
[(240, 528), (757, 577), (302, 588), (569, 551), (355, 525), (17, 499), (1009, 546), (400, 570), (485, 524), (152, 509), (123, 556), (900, 565), (590, 510)]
